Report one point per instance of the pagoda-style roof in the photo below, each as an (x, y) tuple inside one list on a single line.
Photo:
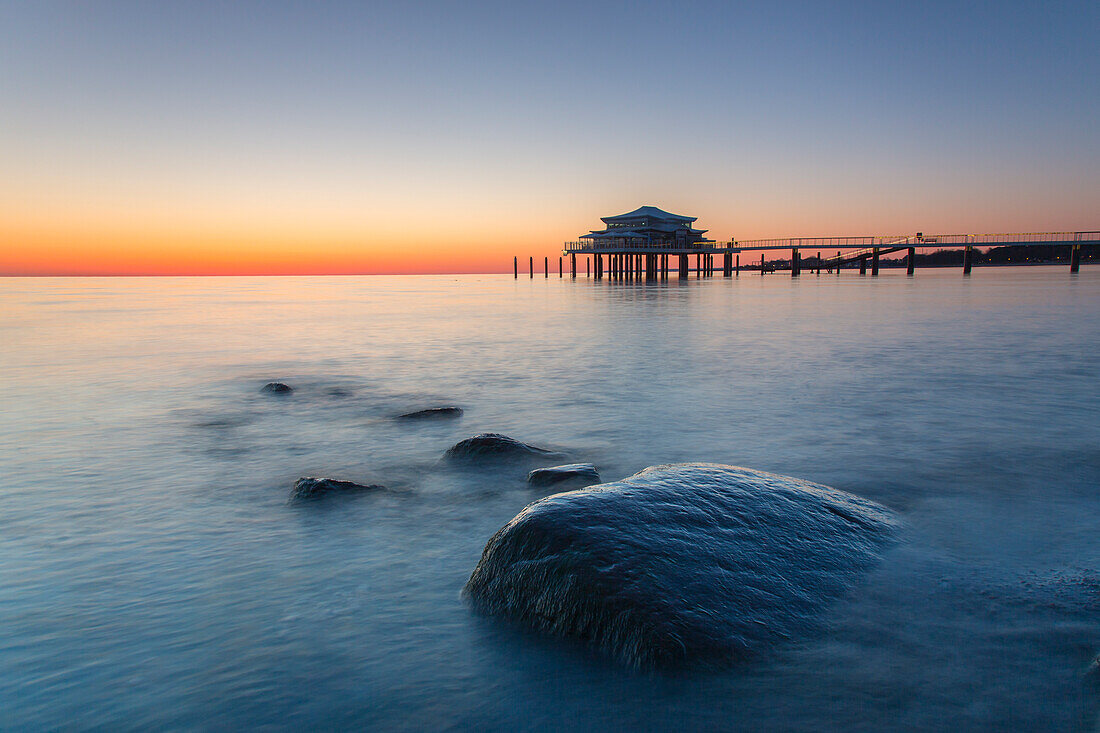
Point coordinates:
[(647, 211)]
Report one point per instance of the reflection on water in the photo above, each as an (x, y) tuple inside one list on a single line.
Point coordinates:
[(154, 573)]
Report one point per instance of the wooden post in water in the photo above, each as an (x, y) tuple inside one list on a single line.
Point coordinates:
[(862, 265), (560, 269), (531, 264), (587, 266), (911, 261), (1075, 258), (818, 263), (796, 264), (761, 263), (738, 266), (572, 264), (515, 267), (546, 267), (838, 262), (967, 259), (874, 262)]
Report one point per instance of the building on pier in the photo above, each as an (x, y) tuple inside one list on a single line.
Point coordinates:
[(646, 227)]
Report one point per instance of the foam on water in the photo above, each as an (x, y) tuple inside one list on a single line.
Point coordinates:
[(154, 574)]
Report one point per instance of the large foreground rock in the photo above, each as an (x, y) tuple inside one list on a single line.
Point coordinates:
[(495, 445), (683, 563)]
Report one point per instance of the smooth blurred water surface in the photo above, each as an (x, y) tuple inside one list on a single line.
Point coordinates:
[(154, 574)]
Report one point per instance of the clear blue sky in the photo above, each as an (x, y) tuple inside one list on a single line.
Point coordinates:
[(373, 122)]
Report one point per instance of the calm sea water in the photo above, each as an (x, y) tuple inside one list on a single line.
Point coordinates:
[(154, 574)]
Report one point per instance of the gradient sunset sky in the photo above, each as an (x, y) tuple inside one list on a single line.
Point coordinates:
[(268, 138)]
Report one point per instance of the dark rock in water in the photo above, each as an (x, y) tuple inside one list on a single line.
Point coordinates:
[(568, 472), (433, 413), (312, 488), (691, 563), (277, 388), (494, 445)]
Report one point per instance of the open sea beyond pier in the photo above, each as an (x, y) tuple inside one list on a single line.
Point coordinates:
[(154, 572)]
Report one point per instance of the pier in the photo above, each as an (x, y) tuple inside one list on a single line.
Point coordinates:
[(647, 243)]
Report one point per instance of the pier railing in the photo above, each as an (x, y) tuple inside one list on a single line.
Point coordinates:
[(931, 240), (619, 245)]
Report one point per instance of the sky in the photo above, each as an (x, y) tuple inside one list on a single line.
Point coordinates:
[(417, 137)]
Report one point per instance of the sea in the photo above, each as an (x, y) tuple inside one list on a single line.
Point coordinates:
[(155, 572)]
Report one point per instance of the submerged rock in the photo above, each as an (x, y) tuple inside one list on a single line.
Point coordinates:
[(689, 563), (310, 487), (432, 413), (277, 388), (568, 472), (494, 445)]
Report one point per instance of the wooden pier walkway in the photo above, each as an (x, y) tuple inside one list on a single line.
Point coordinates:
[(652, 262)]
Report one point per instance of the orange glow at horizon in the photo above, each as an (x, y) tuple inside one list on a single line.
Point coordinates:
[(458, 236), (38, 250), (174, 255)]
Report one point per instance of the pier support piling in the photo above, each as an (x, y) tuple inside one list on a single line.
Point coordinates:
[(968, 258), (1075, 258), (515, 267), (546, 267), (531, 265), (862, 265), (572, 264), (683, 266), (874, 262), (796, 263), (911, 261), (737, 267)]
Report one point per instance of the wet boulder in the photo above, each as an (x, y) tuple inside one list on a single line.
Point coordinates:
[(277, 388), (681, 564), (568, 472), (495, 445), (310, 487), (432, 413)]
